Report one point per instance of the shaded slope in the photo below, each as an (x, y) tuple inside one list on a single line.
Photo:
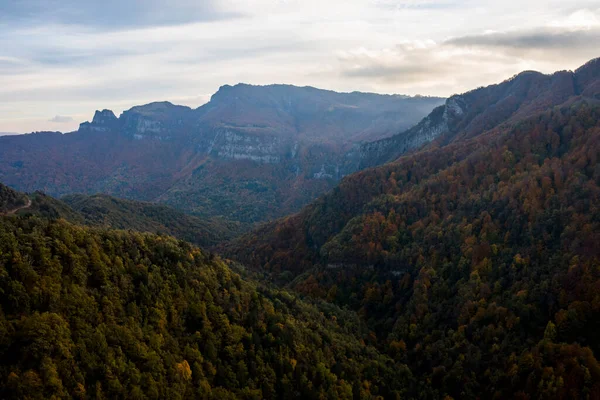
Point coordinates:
[(110, 212), (107, 211)]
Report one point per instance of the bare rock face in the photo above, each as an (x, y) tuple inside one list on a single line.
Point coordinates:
[(228, 144), (104, 117)]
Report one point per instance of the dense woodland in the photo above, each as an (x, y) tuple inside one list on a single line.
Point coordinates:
[(477, 264), (91, 313), (467, 269)]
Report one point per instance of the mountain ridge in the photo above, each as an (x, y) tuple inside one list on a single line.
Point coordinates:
[(484, 108), (233, 157), (104, 211)]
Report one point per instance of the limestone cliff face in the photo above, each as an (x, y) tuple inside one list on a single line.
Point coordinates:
[(251, 153), (232, 145)]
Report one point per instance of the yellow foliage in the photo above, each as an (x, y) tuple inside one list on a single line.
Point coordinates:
[(184, 370)]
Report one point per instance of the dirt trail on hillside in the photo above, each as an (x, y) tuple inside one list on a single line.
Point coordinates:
[(16, 210)]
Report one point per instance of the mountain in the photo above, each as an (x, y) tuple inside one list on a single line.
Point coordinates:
[(474, 259), (250, 154), (486, 108), (104, 314)]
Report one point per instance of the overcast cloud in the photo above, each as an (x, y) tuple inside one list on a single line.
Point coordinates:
[(68, 58)]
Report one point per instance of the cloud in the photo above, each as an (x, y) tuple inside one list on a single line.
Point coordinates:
[(427, 68), (61, 119), (464, 62), (417, 4), (70, 57), (112, 14), (544, 40)]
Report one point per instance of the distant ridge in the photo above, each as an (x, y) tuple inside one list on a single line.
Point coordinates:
[(483, 109), (250, 154)]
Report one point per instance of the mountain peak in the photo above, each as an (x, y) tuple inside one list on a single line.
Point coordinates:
[(593, 64), (103, 121), (104, 117), (158, 108)]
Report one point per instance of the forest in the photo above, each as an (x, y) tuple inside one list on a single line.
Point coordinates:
[(467, 268), (106, 314), (477, 263)]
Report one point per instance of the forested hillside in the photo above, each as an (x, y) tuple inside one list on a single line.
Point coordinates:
[(10, 200), (90, 313), (111, 212), (476, 263), (467, 269)]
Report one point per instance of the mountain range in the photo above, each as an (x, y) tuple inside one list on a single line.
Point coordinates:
[(461, 259), (250, 154)]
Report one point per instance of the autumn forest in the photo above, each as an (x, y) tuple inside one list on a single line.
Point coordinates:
[(458, 258)]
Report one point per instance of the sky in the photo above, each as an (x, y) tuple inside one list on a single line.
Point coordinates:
[(60, 60)]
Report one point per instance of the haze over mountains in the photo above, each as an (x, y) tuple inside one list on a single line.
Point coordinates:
[(482, 109), (252, 153)]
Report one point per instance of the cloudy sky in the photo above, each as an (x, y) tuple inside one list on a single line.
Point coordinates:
[(62, 59)]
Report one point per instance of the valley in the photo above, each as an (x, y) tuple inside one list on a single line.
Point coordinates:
[(284, 242)]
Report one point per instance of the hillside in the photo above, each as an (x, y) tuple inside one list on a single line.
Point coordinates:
[(474, 260), (91, 313), (110, 212), (251, 154), (11, 200)]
